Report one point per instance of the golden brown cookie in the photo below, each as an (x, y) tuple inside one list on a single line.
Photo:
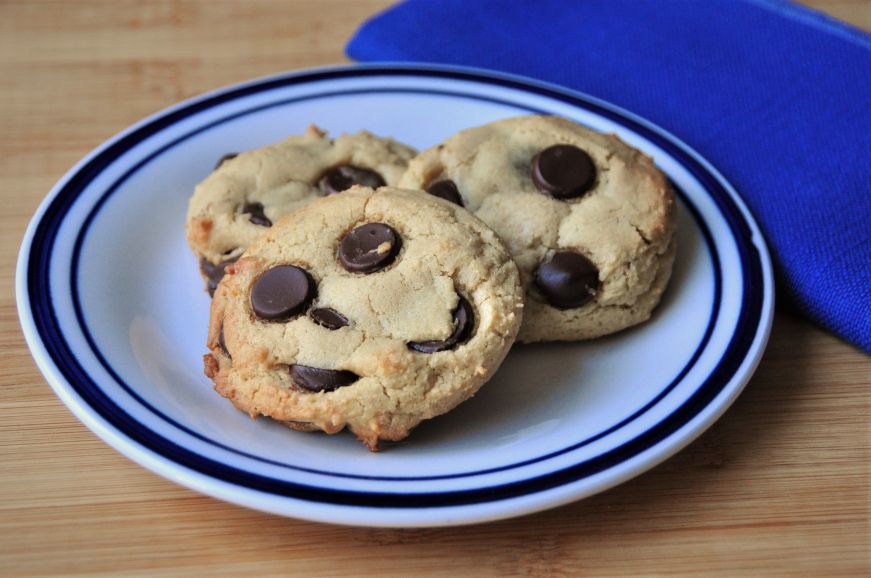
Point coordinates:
[(247, 192), (371, 310), (589, 220)]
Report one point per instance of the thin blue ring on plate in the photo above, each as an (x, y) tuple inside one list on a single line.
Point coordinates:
[(45, 320), (80, 239)]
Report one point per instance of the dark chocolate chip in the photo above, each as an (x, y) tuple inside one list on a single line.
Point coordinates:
[(317, 379), (567, 280), (256, 214), (225, 158), (214, 273), (464, 322), (282, 292), (563, 171), (329, 318), (343, 177), (221, 343), (369, 248), (446, 189)]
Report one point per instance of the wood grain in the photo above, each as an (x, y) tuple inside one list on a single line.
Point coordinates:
[(777, 487)]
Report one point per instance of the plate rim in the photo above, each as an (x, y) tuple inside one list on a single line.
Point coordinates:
[(168, 467)]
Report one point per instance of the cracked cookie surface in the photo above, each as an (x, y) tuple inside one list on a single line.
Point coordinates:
[(371, 310), (589, 220), (249, 191)]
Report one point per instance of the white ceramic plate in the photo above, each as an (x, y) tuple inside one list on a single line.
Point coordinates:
[(113, 309)]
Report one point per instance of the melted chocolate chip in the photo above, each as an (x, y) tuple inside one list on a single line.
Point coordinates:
[(221, 343), (256, 214), (214, 273), (225, 158), (446, 189), (329, 318), (563, 171), (567, 280), (317, 379), (464, 322), (343, 177), (369, 248), (282, 292)]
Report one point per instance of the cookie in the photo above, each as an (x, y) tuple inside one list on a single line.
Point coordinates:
[(589, 220), (248, 192), (371, 310)]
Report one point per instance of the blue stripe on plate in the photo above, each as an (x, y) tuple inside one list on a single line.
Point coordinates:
[(132, 392)]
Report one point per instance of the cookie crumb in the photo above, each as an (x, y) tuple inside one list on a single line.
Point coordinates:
[(210, 365)]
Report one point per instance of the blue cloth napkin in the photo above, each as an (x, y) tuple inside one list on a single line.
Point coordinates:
[(776, 96)]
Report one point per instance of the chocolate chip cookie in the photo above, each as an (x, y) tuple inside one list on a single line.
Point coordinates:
[(371, 310), (247, 192), (589, 220)]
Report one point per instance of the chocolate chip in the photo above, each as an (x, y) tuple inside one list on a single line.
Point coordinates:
[(329, 318), (316, 379), (343, 177), (567, 280), (446, 189), (214, 273), (369, 248), (563, 171), (256, 214), (221, 343), (224, 159), (464, 322), (282, 292)]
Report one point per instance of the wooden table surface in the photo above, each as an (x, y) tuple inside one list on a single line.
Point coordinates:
[(779, 486)]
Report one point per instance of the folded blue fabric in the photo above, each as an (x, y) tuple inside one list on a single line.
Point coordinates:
[(776, 96)]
